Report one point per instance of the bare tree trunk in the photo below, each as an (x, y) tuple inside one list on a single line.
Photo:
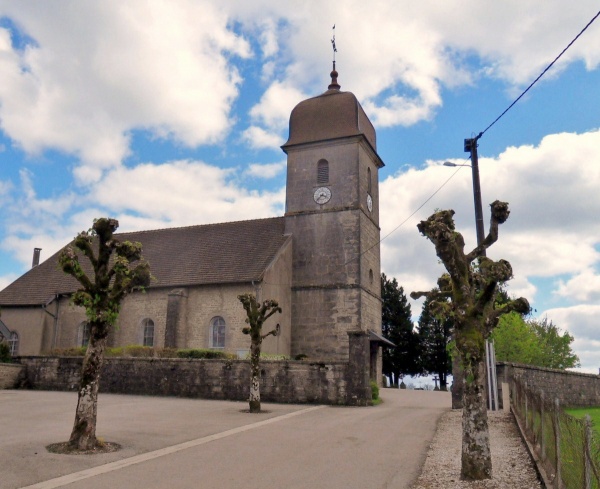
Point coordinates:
[(254, 398), (83, 436), (476, 461)]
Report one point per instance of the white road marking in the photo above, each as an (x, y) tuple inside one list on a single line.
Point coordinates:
[(121, 464)]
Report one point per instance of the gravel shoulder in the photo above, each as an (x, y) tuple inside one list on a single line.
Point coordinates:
[(511, 464)]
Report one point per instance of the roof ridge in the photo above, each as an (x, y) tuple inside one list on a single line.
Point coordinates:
[(144, 231)]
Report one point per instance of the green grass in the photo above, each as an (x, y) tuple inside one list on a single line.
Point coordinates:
[(594, 413)]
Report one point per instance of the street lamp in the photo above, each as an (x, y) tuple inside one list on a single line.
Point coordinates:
[(471, 147)]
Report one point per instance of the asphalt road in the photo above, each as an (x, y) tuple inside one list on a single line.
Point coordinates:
[(182, 443)]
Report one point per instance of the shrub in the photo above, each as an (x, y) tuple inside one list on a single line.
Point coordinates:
[(5, 353), (203, 353), (75, 351), (116, 351), (374, 390), (166, 352), (138, 351), (270, 356)]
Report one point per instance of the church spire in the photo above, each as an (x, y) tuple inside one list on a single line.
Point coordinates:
[(334, 85)]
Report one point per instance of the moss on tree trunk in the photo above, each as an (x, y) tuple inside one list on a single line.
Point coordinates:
[(467, 294)]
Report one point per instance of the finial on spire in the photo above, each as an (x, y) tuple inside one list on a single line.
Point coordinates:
[(334, 85)]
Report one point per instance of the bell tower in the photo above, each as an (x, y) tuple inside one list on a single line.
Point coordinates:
[(332, 213)]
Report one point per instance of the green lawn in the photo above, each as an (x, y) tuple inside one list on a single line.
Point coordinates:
[(594, 413)]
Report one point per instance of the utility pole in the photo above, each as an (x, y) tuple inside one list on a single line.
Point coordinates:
[(471, 147)]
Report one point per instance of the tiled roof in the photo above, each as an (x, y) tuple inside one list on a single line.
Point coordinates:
[(231, 252)]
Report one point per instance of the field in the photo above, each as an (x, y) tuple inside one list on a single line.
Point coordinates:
[(594, 413)]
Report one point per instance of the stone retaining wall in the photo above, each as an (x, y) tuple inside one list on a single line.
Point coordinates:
[(9, 375), (572, 389), (281, 381)]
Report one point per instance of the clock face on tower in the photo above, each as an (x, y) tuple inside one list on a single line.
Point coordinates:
[(369, 203), (322, 195)]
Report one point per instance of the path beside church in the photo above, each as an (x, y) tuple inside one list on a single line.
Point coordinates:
[(182, 443)]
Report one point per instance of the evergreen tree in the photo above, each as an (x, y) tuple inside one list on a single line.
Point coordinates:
[(396, 326), (434, 336)]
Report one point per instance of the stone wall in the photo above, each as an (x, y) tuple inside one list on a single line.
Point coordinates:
[(9, 375), (572, 389), (281, 381)]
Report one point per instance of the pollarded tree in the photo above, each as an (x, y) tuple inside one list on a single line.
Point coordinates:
[(256, 314), (397, 326), (466, 294), (100, 294), (435, 333)]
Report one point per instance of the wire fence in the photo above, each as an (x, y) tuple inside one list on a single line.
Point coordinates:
[(567, 447)]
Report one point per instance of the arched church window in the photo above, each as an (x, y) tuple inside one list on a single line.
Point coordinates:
[(83, 334), (369, 180), (217, 332), (13, 343), (147, 330), (322, 172)]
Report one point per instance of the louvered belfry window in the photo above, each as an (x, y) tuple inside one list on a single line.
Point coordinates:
[(322, 172)]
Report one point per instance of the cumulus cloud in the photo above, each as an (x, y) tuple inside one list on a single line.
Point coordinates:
[(112, 67), (397, 58), (268, 170), (582, 322), (148, 196), (552, 231), (183, 193)]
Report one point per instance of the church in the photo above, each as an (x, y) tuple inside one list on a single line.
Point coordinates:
[(320, 261)]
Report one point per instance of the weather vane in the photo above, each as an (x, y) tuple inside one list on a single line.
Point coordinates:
[(333, 44)]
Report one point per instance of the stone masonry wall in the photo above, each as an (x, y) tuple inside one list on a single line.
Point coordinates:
[(9, 375), (345, 383), (281, 381), (572, 389)]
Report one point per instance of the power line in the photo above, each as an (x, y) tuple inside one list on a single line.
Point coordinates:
[(476, 138), (399, 225), (540, 75), (408, 218)]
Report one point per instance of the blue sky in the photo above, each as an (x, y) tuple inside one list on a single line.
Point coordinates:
[(172, 113)]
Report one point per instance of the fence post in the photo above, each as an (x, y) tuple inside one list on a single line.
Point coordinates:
[(587, 452), (557, 479), (542, 442), (526, 407)]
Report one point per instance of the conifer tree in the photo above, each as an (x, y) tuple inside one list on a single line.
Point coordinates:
[(397, 326), (435, 334)]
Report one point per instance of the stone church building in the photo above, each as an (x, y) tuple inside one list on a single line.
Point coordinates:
[(320, 261)]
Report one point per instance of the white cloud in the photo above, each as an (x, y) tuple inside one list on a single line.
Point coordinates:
[(257, 138), (268, 170), (272, 113), (584, 287), (553, 229), (101, 70), (183, 193), (397, 57), (98, 71), (581, 321)]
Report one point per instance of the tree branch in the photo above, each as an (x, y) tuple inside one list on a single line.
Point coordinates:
[(500, 213)]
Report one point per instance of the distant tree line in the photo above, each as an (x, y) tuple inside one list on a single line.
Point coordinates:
[(425, 349)]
